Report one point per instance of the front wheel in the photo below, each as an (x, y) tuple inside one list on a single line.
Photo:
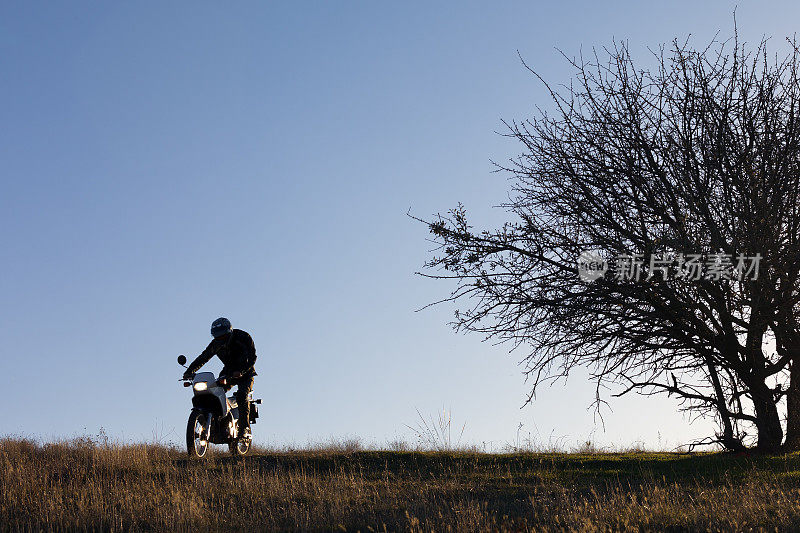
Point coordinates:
[(196, 432)]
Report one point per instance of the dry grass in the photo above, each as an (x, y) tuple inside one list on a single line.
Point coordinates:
[(88, 485)]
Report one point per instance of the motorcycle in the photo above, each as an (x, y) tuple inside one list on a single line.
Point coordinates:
[(214, 417)]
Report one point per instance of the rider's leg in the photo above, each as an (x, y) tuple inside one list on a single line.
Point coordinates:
[(245, 386)]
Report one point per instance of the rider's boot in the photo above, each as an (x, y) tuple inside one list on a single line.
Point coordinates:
[(244, 433)]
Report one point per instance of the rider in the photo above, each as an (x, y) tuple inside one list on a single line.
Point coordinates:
[(236, 350)]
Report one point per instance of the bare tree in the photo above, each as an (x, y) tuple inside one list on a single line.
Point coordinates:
[(698, 155)]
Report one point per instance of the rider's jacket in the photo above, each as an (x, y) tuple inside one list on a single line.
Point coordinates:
[(237, 352)]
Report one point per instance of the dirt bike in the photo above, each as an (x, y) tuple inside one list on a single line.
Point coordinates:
[(214, 417)]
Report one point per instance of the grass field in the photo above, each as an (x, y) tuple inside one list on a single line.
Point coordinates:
[(85, 485)]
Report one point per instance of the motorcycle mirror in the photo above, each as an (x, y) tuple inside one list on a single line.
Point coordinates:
[(181, 360)]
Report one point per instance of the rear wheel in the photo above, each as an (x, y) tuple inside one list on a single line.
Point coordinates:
[(240, 447), (196, 431)]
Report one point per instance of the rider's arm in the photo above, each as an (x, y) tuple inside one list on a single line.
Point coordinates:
[(250, 350), (203, 358)]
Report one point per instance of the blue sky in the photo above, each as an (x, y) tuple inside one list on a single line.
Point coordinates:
[(163, 164)]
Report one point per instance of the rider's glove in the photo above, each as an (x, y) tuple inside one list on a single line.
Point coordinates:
[(187, 375)]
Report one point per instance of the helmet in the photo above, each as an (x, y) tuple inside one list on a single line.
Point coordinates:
[(220, 327)]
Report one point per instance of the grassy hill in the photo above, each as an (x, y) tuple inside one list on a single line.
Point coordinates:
[(85, 485)]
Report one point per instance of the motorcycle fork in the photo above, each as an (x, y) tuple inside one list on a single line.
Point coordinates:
[(208, 430)]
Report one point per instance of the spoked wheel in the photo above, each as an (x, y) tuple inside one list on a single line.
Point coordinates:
[(196, 431), (240, 447)]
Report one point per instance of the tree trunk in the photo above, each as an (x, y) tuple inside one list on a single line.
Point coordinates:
[(728, 440), (793, 408), (768, 423), (770, 433)]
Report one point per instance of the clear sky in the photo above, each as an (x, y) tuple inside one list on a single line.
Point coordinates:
[(166, 163)]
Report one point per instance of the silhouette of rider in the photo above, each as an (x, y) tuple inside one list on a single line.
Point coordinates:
[(236, 350)]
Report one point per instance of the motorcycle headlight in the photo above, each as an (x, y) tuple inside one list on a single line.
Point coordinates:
[(200, 386)]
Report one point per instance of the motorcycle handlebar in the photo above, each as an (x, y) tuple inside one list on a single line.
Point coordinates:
[(222, 381), (188, 381)]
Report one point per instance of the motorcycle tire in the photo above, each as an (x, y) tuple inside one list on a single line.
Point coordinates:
[(240, 447), (195, 435)]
